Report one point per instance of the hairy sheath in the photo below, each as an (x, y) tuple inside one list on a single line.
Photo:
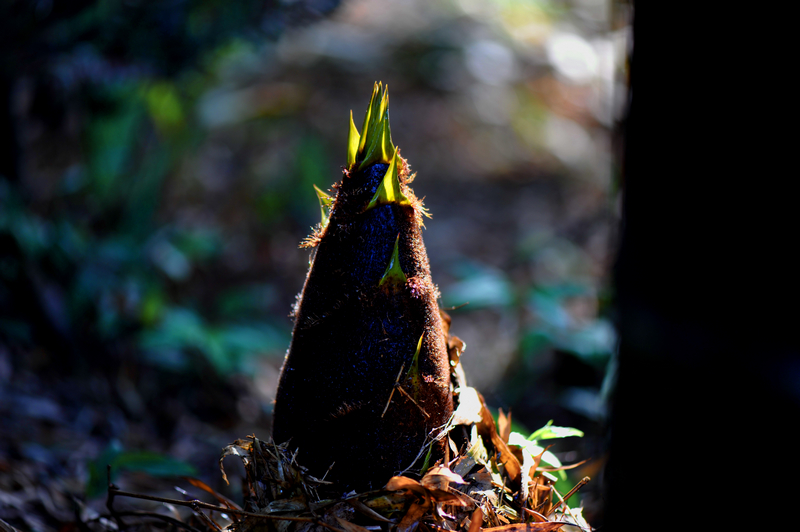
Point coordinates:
[(366, 381)]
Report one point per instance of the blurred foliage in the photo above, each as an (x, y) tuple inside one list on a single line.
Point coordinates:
[(91, 248), (162, 37), (227, 347), (114, 459), (160, 173), (556, 324), (162, 147), (102, 249)]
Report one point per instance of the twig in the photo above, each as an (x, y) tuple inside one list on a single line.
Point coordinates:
[(567, 508), (328, 471), (442, 432), (206, 519), (569, 494), (396, 383), (541, 504), (399, 387), (112, 491), (563, 500), (195, 504), (206, 506)]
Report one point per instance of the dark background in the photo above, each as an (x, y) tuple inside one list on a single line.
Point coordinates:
[(706, 278)]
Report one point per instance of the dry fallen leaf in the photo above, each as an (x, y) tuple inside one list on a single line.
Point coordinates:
[(503, 425), (365, 510), (413, 516), (487, 430), (476, 520), (409, 484), (469, 407), (440, 477)]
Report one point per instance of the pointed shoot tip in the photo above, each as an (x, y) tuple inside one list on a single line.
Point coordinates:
[(375, 143), (325, 205), (353, 141), (394, 273)]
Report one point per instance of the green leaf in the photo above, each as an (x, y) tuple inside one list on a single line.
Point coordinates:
[(427, 462), (110, 138), (353, 141), (480, 286), (550, 431), (164, 105), (389, 187), (527, 446), (413, 370), (155, 464), (226, 347), (375, 145), (394, 273), (325, 204), (369, 117)]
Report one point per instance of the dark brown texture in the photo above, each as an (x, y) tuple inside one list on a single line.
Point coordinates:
[(351, 338)]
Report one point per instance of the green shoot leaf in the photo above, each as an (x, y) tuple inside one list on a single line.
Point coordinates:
[(427, 462), (369, 117), (515, 438), (353, 142), (389, 188), (394, 273), (375, 143), (549, 432), (325, 204), (413, 370)]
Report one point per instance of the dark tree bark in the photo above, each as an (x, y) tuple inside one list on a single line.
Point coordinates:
[(708, 362)]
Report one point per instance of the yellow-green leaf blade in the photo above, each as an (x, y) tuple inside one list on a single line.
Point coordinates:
[(325, 204), (353, 141), (389, 188), (394, 273), (375, 143), (413, 370)]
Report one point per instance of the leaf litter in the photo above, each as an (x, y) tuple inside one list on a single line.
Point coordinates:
[(494, 483), (485, 487)]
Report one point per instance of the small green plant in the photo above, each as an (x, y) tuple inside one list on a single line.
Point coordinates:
[(115, 459)]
